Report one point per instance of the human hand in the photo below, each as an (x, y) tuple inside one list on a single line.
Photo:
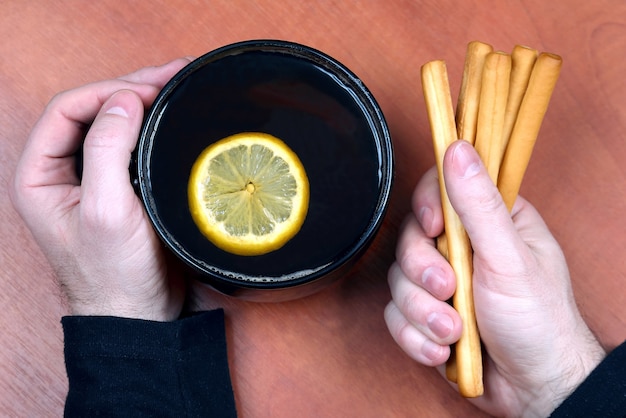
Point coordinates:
[(94, 231), (538, 347)]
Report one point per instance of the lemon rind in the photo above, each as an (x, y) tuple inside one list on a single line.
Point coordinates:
[(248, 244)]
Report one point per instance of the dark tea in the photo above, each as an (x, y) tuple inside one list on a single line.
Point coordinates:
[(318, 108)]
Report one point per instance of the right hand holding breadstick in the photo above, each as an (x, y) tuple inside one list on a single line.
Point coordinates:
[(531, 349), (488, 111), (535, 355)]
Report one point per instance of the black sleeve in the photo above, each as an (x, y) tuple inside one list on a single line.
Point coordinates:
[(603, 393), (130, 367)]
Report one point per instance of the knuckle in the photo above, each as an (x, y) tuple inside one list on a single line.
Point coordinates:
[(24, 199), (92, 218), (488, 200), (411, 305), (98, 218), (57, 101), (403, 255), (14, 191), (103, 133), (404, 335), (392, 273)]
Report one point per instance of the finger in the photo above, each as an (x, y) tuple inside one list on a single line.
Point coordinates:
[(422, 263), (479, 205), (60, 130), (412, 341), (434, 318), (106, 185), (426, 203), (158, 75)]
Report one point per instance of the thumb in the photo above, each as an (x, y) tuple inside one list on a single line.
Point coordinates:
[(106, 185), (481, 209)]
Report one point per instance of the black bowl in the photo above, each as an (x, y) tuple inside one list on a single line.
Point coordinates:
[(314, 104)]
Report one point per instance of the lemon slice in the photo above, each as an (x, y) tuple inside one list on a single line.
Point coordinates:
[(248, 193)]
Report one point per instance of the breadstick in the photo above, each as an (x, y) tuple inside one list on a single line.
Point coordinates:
[(493, 98), (467, 102), (441, 117), (466, 121), (451, 373), (489, 93), (531, 113), (522, 61)]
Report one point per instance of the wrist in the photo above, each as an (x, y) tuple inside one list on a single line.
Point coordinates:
[(575, 363), (149, 299), (125, 309)]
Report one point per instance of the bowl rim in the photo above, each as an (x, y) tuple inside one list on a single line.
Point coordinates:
[(360, 93)]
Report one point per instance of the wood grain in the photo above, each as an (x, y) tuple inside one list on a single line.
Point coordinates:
[(329, 354)]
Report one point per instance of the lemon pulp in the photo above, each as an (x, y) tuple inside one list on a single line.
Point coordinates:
[(248, 193)]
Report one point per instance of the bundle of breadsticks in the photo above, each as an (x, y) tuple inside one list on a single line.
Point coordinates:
[(500, 108)]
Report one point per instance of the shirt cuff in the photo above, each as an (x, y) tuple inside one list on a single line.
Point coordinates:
[(123, 365)]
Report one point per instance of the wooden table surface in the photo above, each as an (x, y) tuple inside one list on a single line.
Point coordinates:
[(328, 355)]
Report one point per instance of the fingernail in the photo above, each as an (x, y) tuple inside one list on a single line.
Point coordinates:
[(117, 110), (433, 281), (431, 350), (466, 160), (440, 324)]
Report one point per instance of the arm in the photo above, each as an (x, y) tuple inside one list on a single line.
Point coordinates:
[(125, 350)]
